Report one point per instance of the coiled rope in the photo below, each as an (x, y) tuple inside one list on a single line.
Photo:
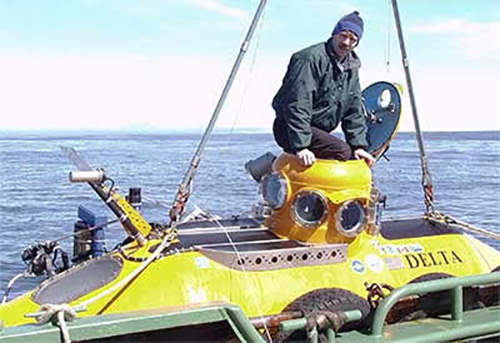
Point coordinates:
[(58, 314)]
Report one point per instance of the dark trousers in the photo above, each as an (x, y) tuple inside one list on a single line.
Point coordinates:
[(323, 144)]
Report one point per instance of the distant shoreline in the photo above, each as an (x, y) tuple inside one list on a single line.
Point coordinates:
[(196, 131), (40, 135)]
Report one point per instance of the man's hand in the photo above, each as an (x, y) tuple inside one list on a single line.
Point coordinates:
[(362, 154), (306, 157)]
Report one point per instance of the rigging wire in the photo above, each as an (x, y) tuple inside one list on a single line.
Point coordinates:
[(168, 239), (426, 176), (183, 193), (444, 218), (251, 70), (246, 86), (81, 232), (256, 303), (388, 47)]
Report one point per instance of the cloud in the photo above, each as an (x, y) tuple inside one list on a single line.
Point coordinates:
[(474, 39), (217, 7)]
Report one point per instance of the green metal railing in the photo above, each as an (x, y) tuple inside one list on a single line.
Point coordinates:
[(456, 286), (121, 325), (301, 324), (483, 322), (459, 325)]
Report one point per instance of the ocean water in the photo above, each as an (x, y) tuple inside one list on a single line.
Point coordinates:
[(38, 203)]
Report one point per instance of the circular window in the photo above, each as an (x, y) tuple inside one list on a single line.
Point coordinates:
[(310, 209), (351, 218)]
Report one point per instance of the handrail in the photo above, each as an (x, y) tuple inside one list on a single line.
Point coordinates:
[(302, 323), (456, 286), (244, 327)]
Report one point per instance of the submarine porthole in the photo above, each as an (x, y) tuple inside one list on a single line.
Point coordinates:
[(319, 256), (274, 259), (305, 257), (334, 254), (289, 258), (258, 260), (310, 209), (274, 188), (350, 218)]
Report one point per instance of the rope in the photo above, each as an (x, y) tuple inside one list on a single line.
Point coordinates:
[(57, 314), (266, 328), (428, 197), (444, 218), (167, 241), (11, 284)]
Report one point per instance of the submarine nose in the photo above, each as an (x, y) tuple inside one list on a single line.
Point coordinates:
[(324, 203)]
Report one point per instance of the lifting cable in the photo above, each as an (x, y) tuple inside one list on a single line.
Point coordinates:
[(427, 186), (426, 176), (184, 192), (447, 219)]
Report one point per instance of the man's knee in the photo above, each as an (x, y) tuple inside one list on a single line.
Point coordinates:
[(326, 146), (345, 153)]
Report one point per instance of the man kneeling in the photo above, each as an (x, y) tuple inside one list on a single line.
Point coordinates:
[(321, 90)]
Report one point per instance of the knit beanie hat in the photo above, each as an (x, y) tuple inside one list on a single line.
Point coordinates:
[(351, 22)]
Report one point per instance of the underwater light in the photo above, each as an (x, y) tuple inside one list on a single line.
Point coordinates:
[(274, 188), (350, 218), (310, 209)]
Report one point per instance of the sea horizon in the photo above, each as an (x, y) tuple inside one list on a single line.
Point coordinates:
[(78, 132)]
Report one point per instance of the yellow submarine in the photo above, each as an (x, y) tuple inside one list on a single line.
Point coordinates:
[(319, 244)]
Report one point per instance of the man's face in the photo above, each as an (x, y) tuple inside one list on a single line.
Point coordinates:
[(343, 43)]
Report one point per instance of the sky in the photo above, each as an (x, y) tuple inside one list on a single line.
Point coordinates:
[(146, 65)]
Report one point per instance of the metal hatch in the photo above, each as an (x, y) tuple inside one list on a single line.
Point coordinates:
[(78, 281), (382, 102)]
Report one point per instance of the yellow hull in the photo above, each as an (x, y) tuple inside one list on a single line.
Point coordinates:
[(192, 278)]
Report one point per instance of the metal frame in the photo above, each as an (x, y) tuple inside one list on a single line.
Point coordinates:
[(456, 286), (263, 260), (460, 325), (121, 325)]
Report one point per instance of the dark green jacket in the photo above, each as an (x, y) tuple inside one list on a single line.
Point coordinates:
[(317, 91)]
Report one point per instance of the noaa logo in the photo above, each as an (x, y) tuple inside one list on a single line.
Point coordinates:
[(374, 263), (358, 266)]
